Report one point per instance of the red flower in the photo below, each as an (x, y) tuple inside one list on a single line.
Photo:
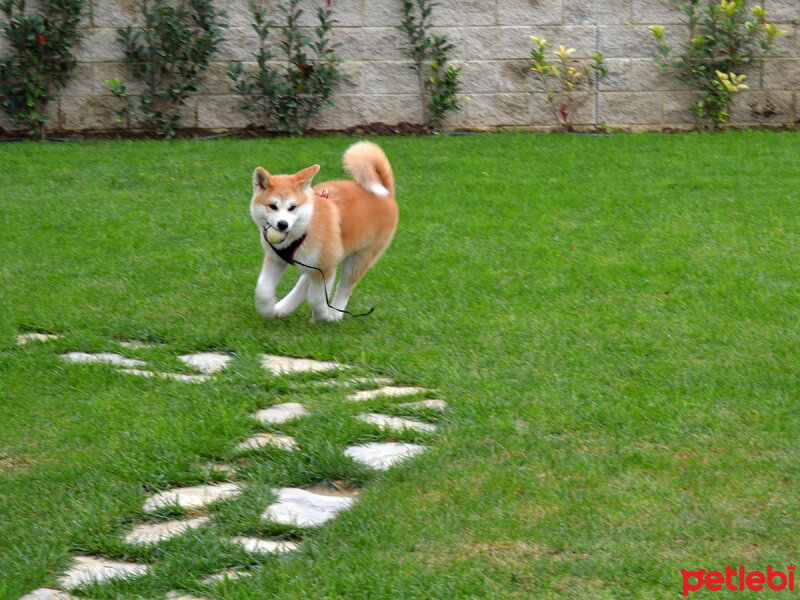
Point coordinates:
[(41, 39), (563, 109)]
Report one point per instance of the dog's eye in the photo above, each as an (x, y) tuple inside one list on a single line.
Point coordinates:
[(291, 208), (273, 206)]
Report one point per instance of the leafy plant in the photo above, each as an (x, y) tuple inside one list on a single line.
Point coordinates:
[(438, 80), (561, 79), (168, 56), (724, 41), (289, 99), (41, 58)]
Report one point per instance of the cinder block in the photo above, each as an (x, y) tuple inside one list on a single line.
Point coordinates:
[(120, 13), (630, 108), (222, 112), (782, 74), (475, 43), (348, 110), (618, 78), (762, 107), (783, 11), (81, 82), (657, 12), (627, 42), (393, 108), (675, 108), (498, 110), (599, 12), (534, 12), (648, 75), (370, 43), (99, 45), (77, 113), (389, 78), (509, 76)]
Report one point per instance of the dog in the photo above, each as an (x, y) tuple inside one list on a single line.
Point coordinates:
[(349, 222)]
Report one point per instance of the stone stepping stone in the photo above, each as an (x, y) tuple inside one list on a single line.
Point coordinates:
[(382, 455), (280, 365), (91, 569), (229, 575), (429, 403), (305, 509), (207, 362), (157, 532), (388, 422), (213, 467), (137, 344), (103, 357), (48, 594), (192, 497), (174, 376), (280, 413), (36, 337), (257, 545), (357, 382), (260, 440), (390, 391), (176, 595)]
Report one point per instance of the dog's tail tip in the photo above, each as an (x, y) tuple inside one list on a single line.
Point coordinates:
[(370, 168)]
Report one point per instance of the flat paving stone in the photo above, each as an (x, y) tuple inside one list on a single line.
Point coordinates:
[(429, 403), (261, 440), (157, 532), (229, 575), (192, 497), (305, 509), (207, 362), (388, 422), (89, 569), (48, 594), (280, 365), (174, 376), (356, 382), (389, 390), (257, 545), (103, 357), (280, 413), (382, 455), (176, 595), (137, 344), (36, 337)]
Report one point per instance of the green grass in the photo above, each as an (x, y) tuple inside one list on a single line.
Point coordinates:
[(612, 320)]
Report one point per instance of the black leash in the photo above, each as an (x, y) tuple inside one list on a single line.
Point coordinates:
[(287, 254)]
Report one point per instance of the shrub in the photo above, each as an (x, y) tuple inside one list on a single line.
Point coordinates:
[(168, 55), (724, 41), (41, 59), (565, 80), (438, 80), (289, 98)]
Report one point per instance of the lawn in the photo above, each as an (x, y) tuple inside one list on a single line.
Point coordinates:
[(612, 320)]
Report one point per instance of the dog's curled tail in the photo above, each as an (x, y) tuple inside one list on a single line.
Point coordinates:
[(369, 166)]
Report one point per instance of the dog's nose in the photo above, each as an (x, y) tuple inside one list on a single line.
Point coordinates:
[(282, 225)]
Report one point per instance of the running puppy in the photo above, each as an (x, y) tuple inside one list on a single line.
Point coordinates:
[(315, 229)]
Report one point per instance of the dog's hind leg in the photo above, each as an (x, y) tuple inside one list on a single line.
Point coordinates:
[(271, 273), (293, 299), (347, 281)]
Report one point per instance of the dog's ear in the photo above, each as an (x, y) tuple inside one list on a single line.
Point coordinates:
[(305, 176), (261, 180)]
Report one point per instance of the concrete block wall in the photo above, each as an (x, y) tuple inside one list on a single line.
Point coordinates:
[(491, 45)]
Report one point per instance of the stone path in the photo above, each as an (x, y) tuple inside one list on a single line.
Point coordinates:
[(297, 507)]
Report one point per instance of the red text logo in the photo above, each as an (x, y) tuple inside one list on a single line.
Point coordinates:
[(738, 579)]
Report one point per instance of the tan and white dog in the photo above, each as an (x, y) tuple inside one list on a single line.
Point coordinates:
[(316, 229)]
